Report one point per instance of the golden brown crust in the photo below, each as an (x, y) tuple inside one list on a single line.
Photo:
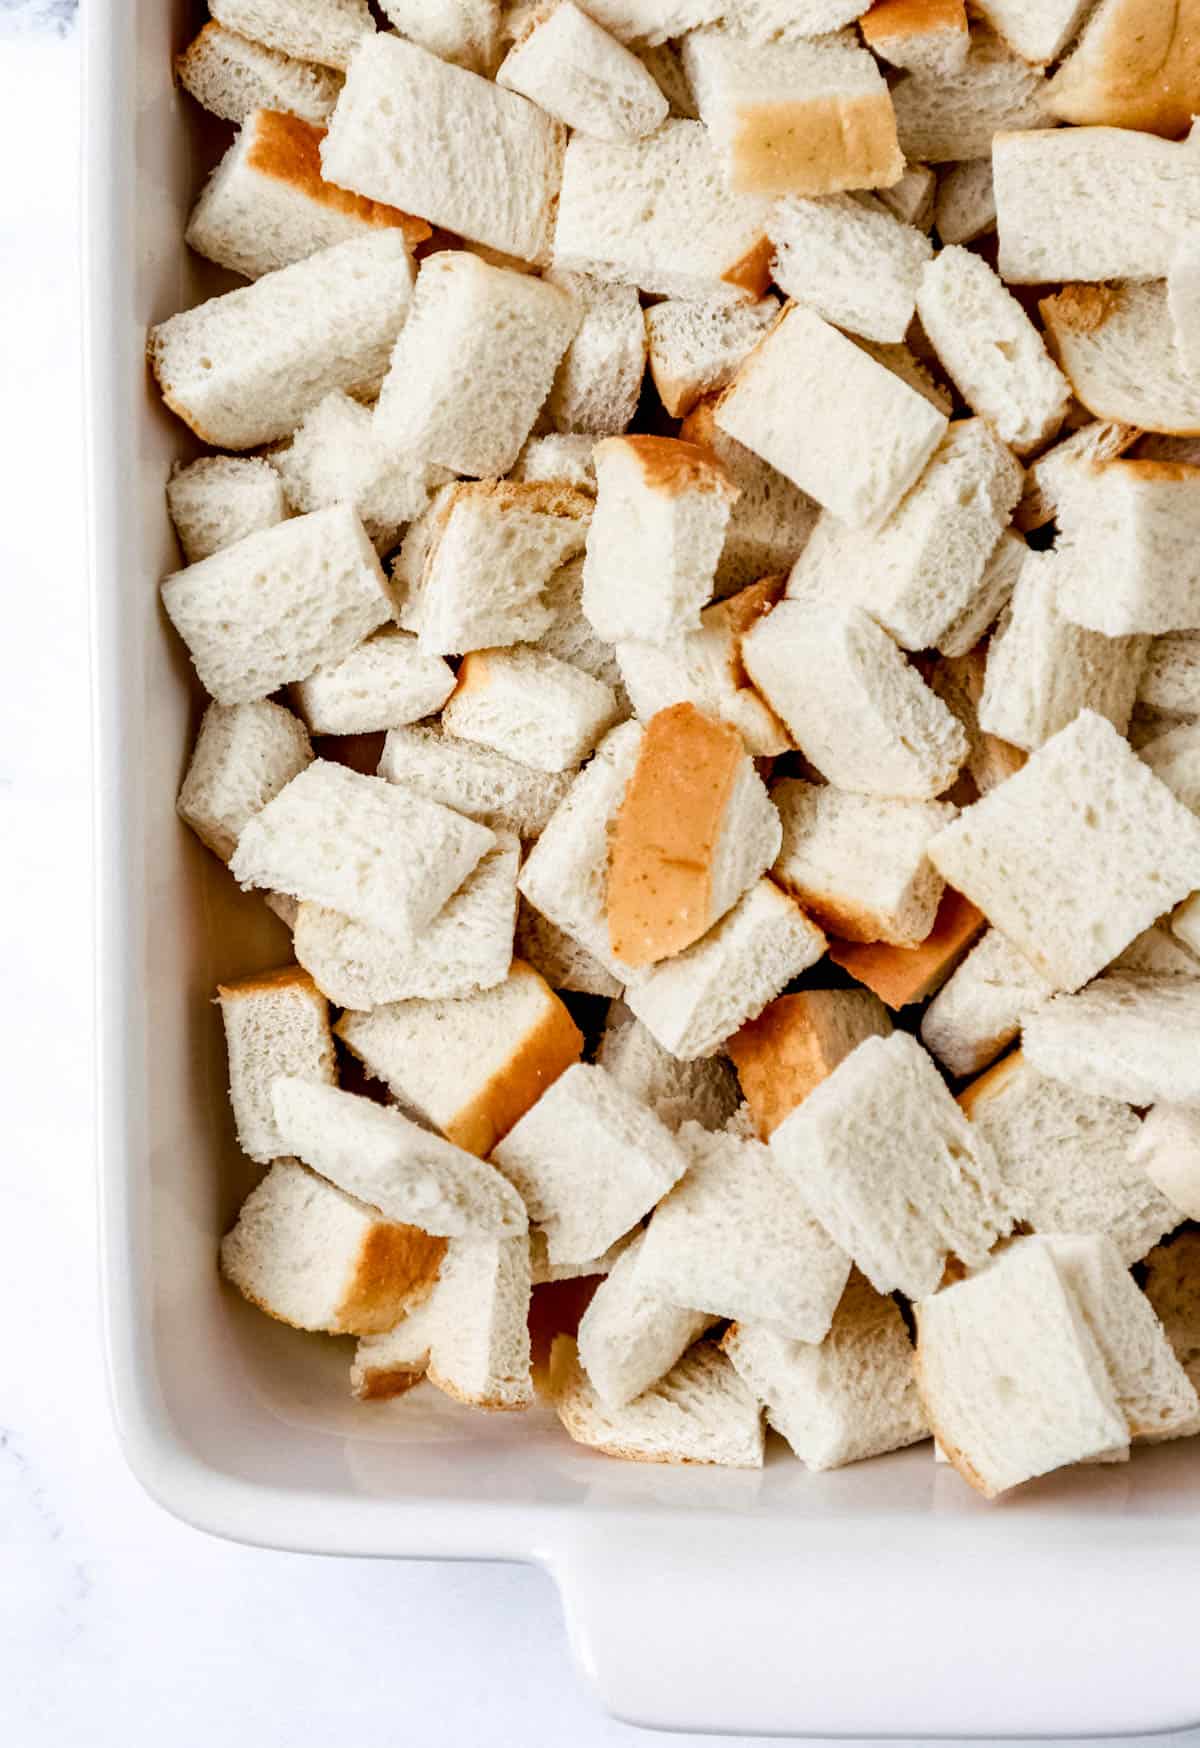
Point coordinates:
[(666, 834), (672, 466), (841, 916), (1174, 472), (397, 1270), (541, 497), (752, 271), (784, 1054), (700, 426), (1138, 67), (1079, 309), (269, 983), (992, 1081), (493, 1404), (474, 673), (956, 1457), (889, 19), (902, 975), (382, 1383), (817, 146), (547, 1050), (741, 612), (288, 150)]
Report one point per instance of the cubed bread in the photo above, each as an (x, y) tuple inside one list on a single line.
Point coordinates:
[(1127, 1036), (662, 510), (922, 36), (1159, 953), (771, 518), (630, 1336), (325, 31), (530, 706), (1037, 30), (850, 1396), (1030, 853), (911, 199), (805, 362), (966, 201), (947, 117), (599, 380), (1167, 1149), (1117, 347), (474, 1065), (900, 976), (1173, 1289), (244, 755), (230, 368), (703, 1092), (900, 1215), (499, 792), (467, 32), (1064, 1157), (219, 499), (854, 706), (697, 1000), (473, 363), (1129, 544), (1135, 66), (563, 961), (278, 604), (578, 72), (850, 259), (232, 76), (384, 683), (981, 1009), (796, 1043), (697, 345), (564, 456), (309, 1255), (1045, 480), (545, 1272), (275, 1023), (991, 596)]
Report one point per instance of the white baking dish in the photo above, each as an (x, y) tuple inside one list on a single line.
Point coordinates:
[(881, 1600)]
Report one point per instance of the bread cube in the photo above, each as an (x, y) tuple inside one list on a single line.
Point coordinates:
[(980, 1010), (630, 1336), (244, 755), (499, 792), (571, 67), (701, 1412), (1127, 1036), (696, 347), (336, 457), (900, 976), (467, 32), (599, 380), (1097, 441), (530, 706), (922, 36), (219, 499), (275, 1023), (563, 961), (966, 201), (771, 518), (1167, 1149), (325, 31), (233, 77), (564, 456), (911, 199), (946, 116), (796, 1043), (1129, 533), (1117, 347), (702, 1092), (959, 681), (386, 682), (850, 259), (1129, 70)]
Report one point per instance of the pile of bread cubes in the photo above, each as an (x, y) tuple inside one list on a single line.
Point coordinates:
[(699, 588)]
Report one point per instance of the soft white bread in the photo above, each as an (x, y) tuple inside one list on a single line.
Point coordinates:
[(571, 638), (991, 596), (1158, 953), (857, 863), (219, 499), (736, 1238), (850, 1396), (576, 71), (922, 36), (949, 117), (677, 1092), (544, 1271), (850, 259), (1128, 543), (408, 1173), (1127, 1036), (598, 383), (899, 1215), (1152, 1389), (704, 668), (233, 77), (1117, 346), (694, 831), (1037, 30), (565, 456), (1042, 669), (476, 572), (244, 368), (804, 117), (336, 457), (309, 1255), (589, 1161), (804, 361), (1093, 203), (694, 1002), (471, 1066), (384, 683), (696, 346), (797, 1042), (656, 213), (1135, 66), (278, 604), (467, 32), (1064, 1157), (662, 62), (655, 21), (473, 363), (966, 201), (662, 511), (1099, 440), (1183, 300), (1167, 1148), (912, 198), (530, 706), (991, 349), (1011, 1377), (565, 876), (1170, 680), (474, 780), (275, 1023), (1018, 853), (1174, 757), (1185, 923), (1173, 1288), (980, 1010), (630, 1336), (380, 854), (467, 947), (921, 572), (435, 139), (470, 1338), (771, 519), (959, 682), (701, 1412), (855, 707), (564, 962), (244, 755), (324, 31)]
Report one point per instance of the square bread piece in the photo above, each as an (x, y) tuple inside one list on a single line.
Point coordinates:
[(379, 854), (571, 67), (656, 213), (1099, 440), (432, 138), (703, 1092), (1010, 1374), (1084, 805), (912, 198), (629, 1336), (589, 1160), (1173, 1288), (850, 259), (563, 961), (805, 362), (901, 976), (1064, 1157), (899, 1215), (565, 456), (950, 117), (471, 1066), (275, 1023), (796, 1043), (922, 36), (244, 755), (325, 31), (1127, 1036), (981, 1009), (467, 32), (384, 683), (1129, 540), (1118, 348), (855, 707), (850, 1396), (966, 201), (473, 363), (499, 792), (735, 1238), (1167, 1149), (857, 864), (530, 706), (1037, 30), (599, 380), (1131, 68), (798, 118), (662, 510), (697, 346), (922, 570), (309, 1255), (771, 519), (219, 499), (697, 1000), (232, 77)]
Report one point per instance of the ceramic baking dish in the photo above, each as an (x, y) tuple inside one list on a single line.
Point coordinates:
[(880, 1600)]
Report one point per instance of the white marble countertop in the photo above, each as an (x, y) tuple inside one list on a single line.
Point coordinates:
[(119, 1625)]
